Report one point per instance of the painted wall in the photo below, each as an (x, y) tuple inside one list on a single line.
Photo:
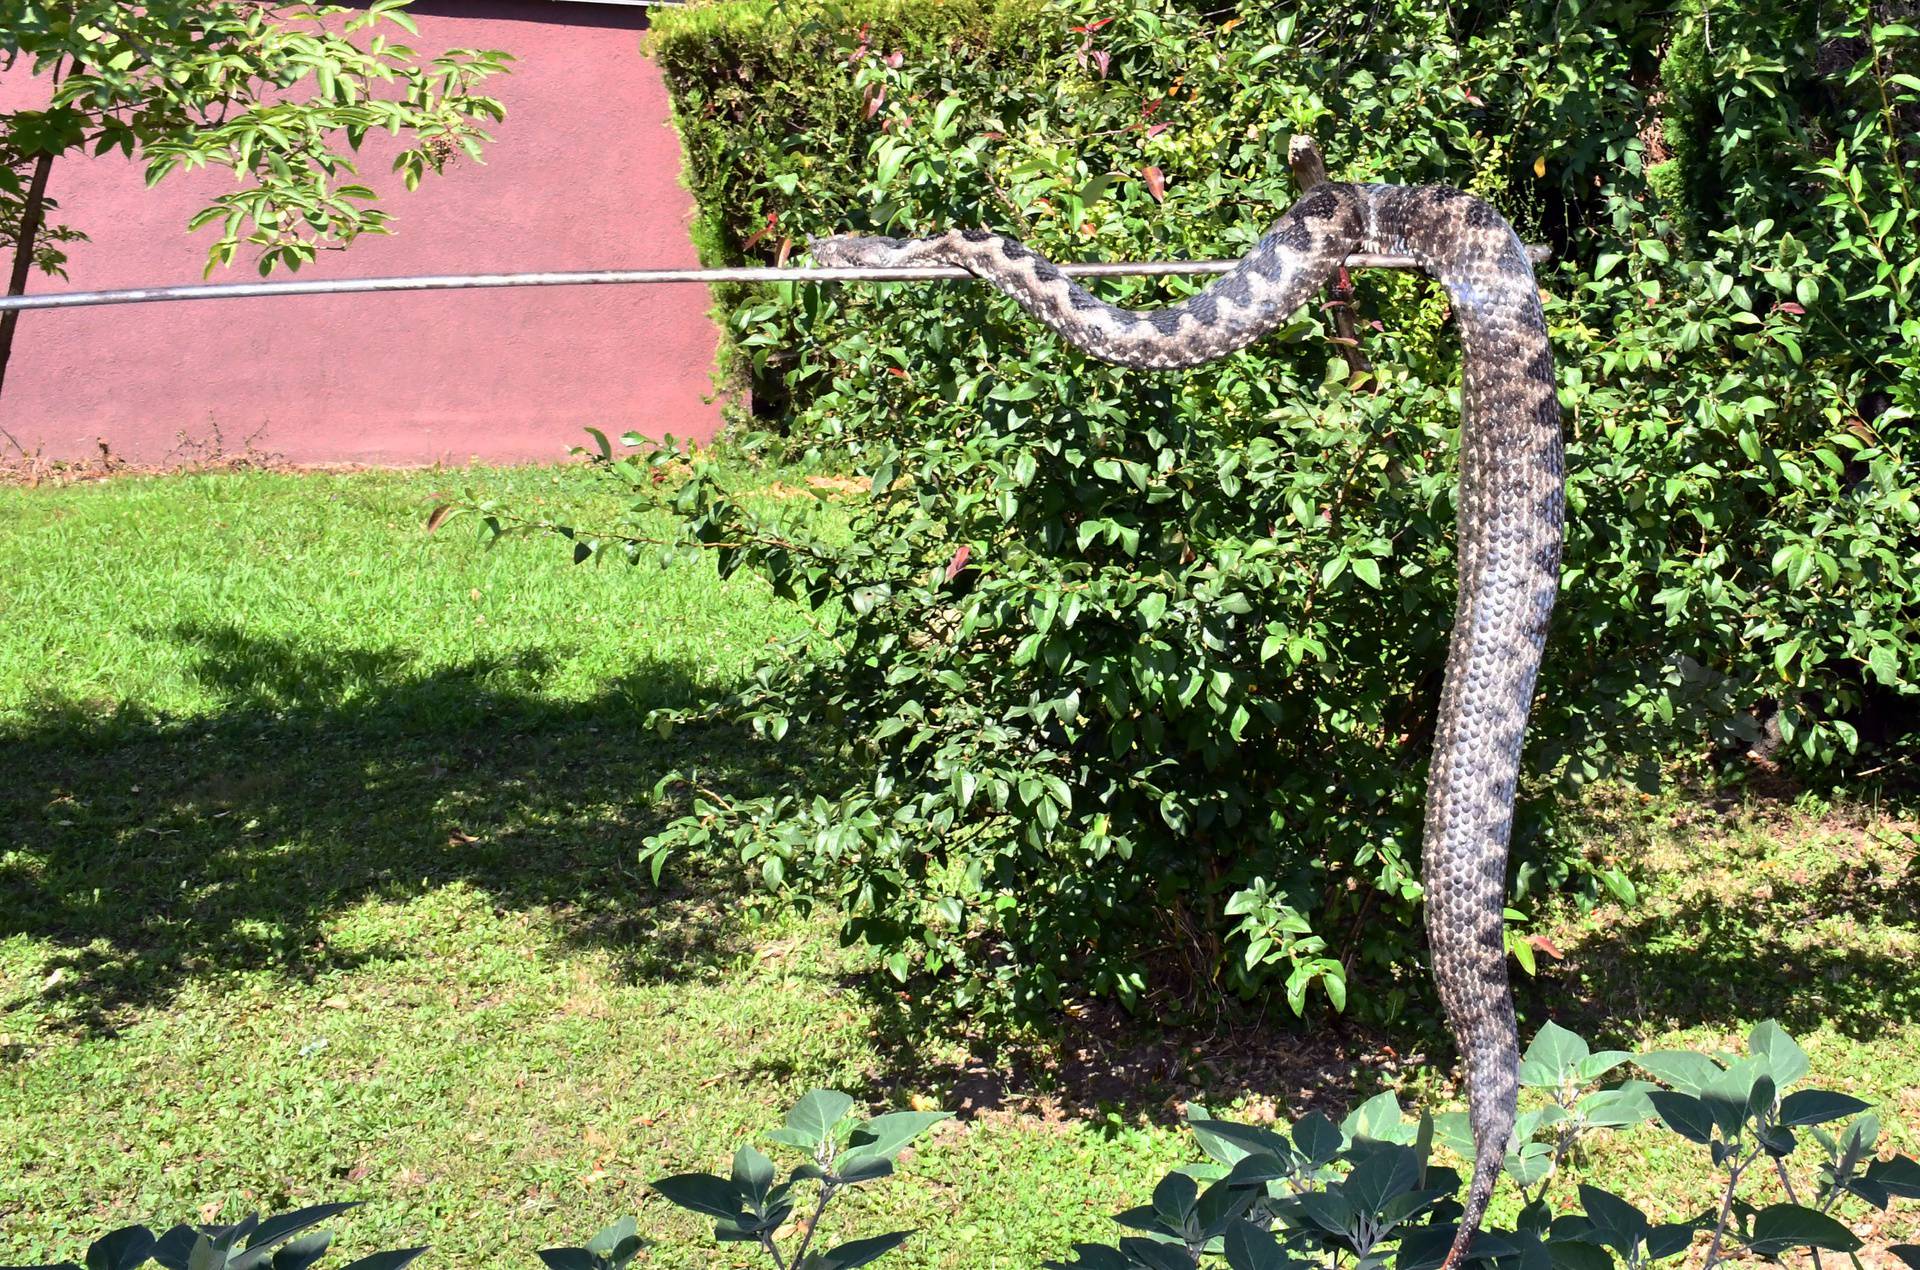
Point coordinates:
[(584, 174)]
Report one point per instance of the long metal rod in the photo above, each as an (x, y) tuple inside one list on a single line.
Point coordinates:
[(626, 277)]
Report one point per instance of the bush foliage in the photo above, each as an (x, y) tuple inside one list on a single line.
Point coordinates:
[(1131, 676)]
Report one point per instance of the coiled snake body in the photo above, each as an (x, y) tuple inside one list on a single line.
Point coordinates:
[(1510, 531)]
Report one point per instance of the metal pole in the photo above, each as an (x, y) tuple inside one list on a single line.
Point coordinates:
[(627, 277)]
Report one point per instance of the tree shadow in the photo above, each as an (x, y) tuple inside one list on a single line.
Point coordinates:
[(1722, 949), (1711, 960), (1101, 1064), (150, 852)]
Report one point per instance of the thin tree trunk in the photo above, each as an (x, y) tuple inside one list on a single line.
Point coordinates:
[(33, 213)]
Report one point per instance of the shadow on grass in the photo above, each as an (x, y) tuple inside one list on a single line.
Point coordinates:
[(1113, 1069), (149, 852), (1706, 960)]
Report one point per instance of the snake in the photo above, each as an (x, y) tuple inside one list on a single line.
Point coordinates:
[(1511, 516)]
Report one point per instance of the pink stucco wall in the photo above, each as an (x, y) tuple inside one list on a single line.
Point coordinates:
[(584, 174)]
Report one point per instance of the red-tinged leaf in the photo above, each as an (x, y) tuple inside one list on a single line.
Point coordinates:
[(762, 232), (896, 59), (1100, 60), (1547, 946), (1157, 129), (438, 516), (958, 562), (1788, 306), (786, 248), (994, 136), (1156, 182), (896, 372), (873, 102)]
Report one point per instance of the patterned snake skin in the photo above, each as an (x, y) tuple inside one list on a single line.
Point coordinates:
[(1510, 533)]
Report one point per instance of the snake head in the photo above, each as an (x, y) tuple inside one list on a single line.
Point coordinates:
[(834, 251)]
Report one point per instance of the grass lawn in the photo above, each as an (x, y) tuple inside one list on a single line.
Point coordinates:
[(317, 881)]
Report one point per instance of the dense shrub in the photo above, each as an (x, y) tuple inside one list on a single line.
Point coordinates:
[(1133, 670)]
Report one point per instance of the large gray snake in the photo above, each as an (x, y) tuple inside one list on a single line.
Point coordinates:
[(1510, 530)]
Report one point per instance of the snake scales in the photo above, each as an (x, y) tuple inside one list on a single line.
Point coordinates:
[(1510, 531)]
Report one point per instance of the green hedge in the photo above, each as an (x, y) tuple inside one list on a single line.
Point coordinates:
[(1131, 676)]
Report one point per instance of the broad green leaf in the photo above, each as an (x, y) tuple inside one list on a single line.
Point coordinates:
[(701, 1192), (857, 1252), (1782, 1228), (1683, 1113), (1817, 1106), (121, 1250), (1785, 1061), (815, 1116), (1685, 1070), (1247, 1247)]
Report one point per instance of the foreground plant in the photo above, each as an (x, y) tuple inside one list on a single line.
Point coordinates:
[(750, 1206), (286, 1241), (1314, 1193)]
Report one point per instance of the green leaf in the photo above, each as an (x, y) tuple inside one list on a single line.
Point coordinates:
[(1899, 1176), (1174, 1198), (1685, 1070), (1381, 1177), (857, 1252), (702, 1193), (123, 1249), (815, 1116), (1683, 1113), (1817, 1106), (568, 1259), (302, 1251), (395, 1259), (1230, 1143), (1785, 1061), (752, 1178), (885, 1136), (1553, 1058), (1318, 1138), (1781, 1228), (1249, 1248), (1616, 1222), (1378, 1118)]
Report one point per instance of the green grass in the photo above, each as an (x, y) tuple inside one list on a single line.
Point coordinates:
[(317, 881)]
